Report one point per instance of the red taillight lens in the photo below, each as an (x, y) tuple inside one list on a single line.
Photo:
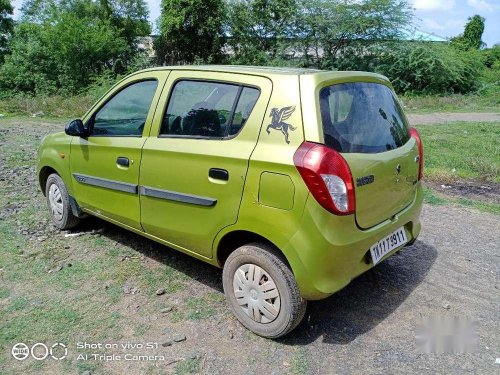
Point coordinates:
[(414, 134), (327, 177)]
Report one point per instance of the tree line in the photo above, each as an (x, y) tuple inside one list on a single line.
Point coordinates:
[(66, 46)]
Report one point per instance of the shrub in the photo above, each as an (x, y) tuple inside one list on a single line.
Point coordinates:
[(419, 67), (432, 69)]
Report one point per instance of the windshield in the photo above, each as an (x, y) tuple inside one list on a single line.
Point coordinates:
[(362, 117)]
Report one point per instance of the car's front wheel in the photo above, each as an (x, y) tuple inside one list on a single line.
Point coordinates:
[(262, 291), (59, 204)]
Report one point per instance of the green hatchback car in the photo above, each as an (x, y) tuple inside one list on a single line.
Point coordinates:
[(293, 181)]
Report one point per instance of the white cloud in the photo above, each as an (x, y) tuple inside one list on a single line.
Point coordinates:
[(482, 5), (434, 4), (449, 25)]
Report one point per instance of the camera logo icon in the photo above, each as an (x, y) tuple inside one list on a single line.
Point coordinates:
[(39, 351)]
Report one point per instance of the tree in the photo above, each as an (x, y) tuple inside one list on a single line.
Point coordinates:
[(62, 57), (310, 33), (59, 46), (190, 31), (129, 17), (6, 25), (332, 28), (261, 30), (472, 35)]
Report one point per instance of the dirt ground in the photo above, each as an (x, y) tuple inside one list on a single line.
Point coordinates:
[(443, 118), (367, 328)]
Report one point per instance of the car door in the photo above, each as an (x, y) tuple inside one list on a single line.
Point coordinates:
[(105, 165), (195, 162)]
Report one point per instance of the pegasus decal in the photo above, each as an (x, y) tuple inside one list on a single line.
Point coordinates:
[(278, 123)]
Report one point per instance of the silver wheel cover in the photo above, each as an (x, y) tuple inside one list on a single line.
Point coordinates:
[(55, 201), (256, 293)]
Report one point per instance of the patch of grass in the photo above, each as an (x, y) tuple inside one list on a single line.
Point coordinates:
[(4, 293), (81, 367), (176, 316), (164, 277), (481, 206), (18, 303), (461, 151), (436, 199), (141, 329), (300, 362), (51, 106), (487, 100), (188, 366), (199, 308), (431, 198)]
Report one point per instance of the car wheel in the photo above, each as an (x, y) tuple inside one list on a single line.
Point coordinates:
[(262, 291), (58, 202)]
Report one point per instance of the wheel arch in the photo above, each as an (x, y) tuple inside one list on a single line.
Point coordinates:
[(44, 174), (237, 238)]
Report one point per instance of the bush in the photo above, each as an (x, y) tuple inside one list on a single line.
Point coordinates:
[(419, 67), (492, 57), (432, 69)]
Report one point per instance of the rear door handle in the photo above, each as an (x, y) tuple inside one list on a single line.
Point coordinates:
[(123, 161), (218, 174)]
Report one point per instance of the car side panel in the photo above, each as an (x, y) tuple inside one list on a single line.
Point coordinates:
[(55, 154), (180, 166), (273, 155), (101, 185)]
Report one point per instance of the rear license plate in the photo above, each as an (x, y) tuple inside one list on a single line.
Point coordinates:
[(387, 244)]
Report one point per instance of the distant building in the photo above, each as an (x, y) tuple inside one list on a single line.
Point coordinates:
[(146, 43), (415, 35)]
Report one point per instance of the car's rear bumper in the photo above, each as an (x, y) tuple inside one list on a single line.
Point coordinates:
[(332, 250)]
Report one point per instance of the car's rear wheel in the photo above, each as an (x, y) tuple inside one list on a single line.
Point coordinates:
[(262, 291), (59, 203)]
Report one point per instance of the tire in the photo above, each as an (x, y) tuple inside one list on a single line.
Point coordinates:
[(274, 317), (59, 204)]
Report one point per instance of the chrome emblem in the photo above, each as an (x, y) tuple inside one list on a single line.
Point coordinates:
[(398, 169)]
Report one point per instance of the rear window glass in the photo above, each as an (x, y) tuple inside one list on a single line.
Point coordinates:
[(362, 117)]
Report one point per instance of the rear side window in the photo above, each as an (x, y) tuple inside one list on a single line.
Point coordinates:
[(207, 109), (362, 117), (125, 113)]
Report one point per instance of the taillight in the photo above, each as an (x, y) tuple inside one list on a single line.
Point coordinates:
[(414, 134), (327, 177)]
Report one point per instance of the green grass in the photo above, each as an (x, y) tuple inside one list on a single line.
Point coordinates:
[(461, 151), (431, 198), (481, 206), (188, 366), (199, 308), (300, 362), (436, 199), (487, 99)]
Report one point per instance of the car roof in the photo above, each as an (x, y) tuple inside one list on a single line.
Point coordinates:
[(267, 71)]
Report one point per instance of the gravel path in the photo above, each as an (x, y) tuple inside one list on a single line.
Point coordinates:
[(443, 118)]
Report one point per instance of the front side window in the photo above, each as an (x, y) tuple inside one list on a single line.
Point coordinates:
[(362, 117), (125, 113), (207, 109)]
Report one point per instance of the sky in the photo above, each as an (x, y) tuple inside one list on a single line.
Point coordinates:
[(445, 18)]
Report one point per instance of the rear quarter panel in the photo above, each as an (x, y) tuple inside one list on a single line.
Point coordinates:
[(272, 160)]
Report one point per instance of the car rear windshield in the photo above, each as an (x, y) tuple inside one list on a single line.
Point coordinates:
[(362, 117)]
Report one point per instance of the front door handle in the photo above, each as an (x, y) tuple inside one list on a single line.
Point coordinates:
[(218, 174), (122, 161)]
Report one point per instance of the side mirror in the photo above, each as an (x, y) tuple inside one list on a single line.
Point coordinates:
[(75, 128)]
